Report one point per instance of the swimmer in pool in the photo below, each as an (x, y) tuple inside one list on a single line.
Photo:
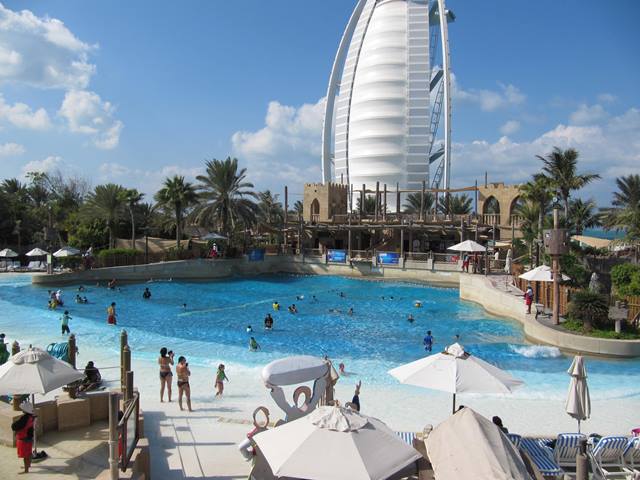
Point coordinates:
[(293, 309), (268, 322), (249, 329), (350, 312), (410, 319), (276, 306), (253, 345)]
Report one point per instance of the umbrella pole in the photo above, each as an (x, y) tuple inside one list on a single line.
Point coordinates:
[(35, 430), (578, 426), (454, 404)]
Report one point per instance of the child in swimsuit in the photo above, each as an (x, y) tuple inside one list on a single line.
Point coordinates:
[(220, 378), (165, 361), (111, 314), (183, 373)]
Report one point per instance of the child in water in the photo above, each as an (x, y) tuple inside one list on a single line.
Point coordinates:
[(253, 345), (220, 378)]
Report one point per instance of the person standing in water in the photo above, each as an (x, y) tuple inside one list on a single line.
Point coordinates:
[(146, 294), (165, 360), (221, 376), (428, 341), (111, 314), (183, 373), (64, 322)]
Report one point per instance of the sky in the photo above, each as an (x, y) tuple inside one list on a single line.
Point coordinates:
[(133, 92)]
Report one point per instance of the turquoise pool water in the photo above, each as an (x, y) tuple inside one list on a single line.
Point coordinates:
[(375, 338)]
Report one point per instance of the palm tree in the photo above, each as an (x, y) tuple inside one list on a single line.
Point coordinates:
[(369, 207), (177, 196), (537, 192), (456, 204), (226, 197), (269, 209), (298, 208), (413, 200), (583, 215), (560, 168), (590, 307), (625, 213), (529, 213), (133, 197), (106, 202)]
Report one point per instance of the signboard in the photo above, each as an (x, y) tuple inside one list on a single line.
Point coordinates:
[(337, 256), (256, 255), (388, 258)]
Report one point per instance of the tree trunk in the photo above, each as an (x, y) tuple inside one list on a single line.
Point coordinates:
[(110, 236), (566, 207), (133, 229), (178, 228)]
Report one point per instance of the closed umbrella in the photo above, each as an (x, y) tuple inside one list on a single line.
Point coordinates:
[(542, 273), (468, 246), (334, 443), (34, 371), (66, 252), (467, 445), (36, 252), (578, 400), (456, 371), (8, 253)]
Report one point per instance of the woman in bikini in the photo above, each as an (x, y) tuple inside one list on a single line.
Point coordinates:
[(165, 361), (183, 373)]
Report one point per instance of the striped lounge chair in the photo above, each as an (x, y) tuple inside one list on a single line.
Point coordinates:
[(541, 456), (631, 455), (607, 458), (407, 437), (515, 439), (566, 449)]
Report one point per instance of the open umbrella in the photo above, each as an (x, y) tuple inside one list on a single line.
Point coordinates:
[(66, 252), (578, 400), (456, 371), (336, 443), (8, 253), (467, 445), (36, 252), (213, 236), (468, 246), (542, 273), (34, 371)]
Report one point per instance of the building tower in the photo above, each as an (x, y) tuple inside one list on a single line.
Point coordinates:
[(385, 97)]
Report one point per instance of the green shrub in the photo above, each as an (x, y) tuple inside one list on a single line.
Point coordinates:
[(591, 308), (625, 279)]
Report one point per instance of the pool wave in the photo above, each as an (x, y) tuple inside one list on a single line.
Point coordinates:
[(536, 351)]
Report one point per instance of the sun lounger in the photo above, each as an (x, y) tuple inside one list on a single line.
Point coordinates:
[(631, 455), (407, 437), (566, 449), (541, 456), (607, 458), (515, 439), (541, 311)]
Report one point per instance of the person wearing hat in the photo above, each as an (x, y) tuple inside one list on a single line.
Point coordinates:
[(24, 434)]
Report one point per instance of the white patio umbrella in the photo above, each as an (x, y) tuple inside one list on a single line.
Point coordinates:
[(66, 252), (456, 371), (36, 252), (467, 445), (468, 246), (336, 443), (543, 273), (8, 253), (213, 236), (34, 371), (578, 400)]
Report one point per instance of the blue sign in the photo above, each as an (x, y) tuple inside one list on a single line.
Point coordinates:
[(388, 258), (256, 255), (338, 256)]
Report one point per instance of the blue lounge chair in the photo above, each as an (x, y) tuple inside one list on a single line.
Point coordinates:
[(541, 456), (631, 455), (566, 449), (607, 458), (515, 439), (407, 437)]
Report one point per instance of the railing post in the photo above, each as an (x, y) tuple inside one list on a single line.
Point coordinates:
[(114, 407), (376, 210), (72, 361), (129, 388), (126, 364), (124, 341)]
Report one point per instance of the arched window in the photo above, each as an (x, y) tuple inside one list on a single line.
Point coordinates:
[(315, 210)]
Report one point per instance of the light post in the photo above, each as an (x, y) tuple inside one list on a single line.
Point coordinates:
[(557, 243)]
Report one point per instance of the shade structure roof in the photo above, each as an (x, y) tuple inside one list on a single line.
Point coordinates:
[(36, 252), (468, 246), (8, 253), (66, 252), (335, 443), (35, 371), (456, 371), (467, 445), (543, 273)]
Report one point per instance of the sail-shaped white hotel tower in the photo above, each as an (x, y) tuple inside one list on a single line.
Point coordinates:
[(385, 97)]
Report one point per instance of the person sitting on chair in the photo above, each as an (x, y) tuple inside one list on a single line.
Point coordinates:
[(92, 379)]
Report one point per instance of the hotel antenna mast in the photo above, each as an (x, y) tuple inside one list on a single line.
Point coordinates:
[(389, 87)]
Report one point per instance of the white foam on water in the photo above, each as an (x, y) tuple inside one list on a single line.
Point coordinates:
[(536, 351)]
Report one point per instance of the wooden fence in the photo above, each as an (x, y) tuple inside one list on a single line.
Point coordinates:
[(634, 309), (543, 293)]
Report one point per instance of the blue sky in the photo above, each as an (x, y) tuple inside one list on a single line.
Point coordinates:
[(135, 91)]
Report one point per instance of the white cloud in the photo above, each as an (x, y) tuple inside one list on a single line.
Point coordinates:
[(510, 127), (42, 52), (86, 113), (291, 137), (49, 164), (22, 116), (587, 114), (610, 148), (607, 98), (11, 149), (148, 181), (488, 100)]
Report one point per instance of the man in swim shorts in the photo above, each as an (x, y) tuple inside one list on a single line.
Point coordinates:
[(428, 342), (111, 314)]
